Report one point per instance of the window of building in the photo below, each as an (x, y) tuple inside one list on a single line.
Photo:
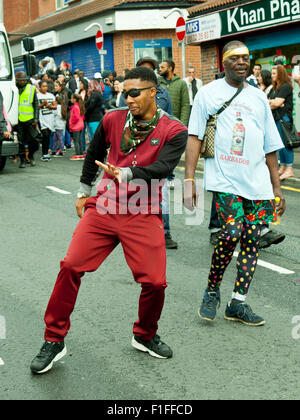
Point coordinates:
[(62, 3), (159, 49)]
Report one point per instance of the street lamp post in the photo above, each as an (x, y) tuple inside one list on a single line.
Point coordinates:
[(101, 52), (177, 10)]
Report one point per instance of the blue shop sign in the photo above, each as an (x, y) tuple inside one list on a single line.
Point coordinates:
[(152, 43)]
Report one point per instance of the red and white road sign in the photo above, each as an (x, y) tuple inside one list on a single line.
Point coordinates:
[(99, 40), (180, 29)]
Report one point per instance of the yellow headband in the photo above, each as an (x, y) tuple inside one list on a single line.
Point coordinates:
[(236, 51)]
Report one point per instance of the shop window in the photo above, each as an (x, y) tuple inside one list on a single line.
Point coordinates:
[(159, 49)]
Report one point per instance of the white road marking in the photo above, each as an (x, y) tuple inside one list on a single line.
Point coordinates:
[(1, 362), (58, 190), (270, 266)]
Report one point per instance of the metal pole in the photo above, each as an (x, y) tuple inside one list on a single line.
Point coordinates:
[(179, 11), (101, 55)]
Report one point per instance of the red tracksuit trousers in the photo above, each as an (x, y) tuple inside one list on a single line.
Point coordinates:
[(143, 242)]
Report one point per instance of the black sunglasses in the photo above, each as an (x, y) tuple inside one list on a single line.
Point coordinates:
[(134, 92)]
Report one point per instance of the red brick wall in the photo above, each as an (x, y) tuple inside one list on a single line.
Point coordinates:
[(209, 62), (21, 12), (124, 51), (46, 7), (16, 13)]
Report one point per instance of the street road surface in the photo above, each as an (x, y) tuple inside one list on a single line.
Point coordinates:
[(220, 360)]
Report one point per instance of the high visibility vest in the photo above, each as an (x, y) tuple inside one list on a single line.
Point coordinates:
[(26, 109)]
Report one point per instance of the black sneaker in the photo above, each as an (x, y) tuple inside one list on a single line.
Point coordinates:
[(208, 309), (170, 244), (49, 353), (154, 347), (271, 238), (242, 312)]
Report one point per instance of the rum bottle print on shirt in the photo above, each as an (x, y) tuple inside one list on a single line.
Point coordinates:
[(238, 136)]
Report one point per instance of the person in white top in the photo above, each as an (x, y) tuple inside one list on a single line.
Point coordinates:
[(47, 105), (193, 84)]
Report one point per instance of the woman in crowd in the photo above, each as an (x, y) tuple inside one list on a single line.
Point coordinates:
[(265, 81), (60, 90), (114, 99), (60, 117), (93, 107), (83, 92), (281, 102)]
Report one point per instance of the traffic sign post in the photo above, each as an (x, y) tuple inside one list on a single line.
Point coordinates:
[(180, 33), (99, 45), (99, 42)]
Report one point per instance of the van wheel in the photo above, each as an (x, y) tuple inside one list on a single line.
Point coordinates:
[(2, 162)]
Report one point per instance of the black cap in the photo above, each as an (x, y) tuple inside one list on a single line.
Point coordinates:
[(143, 60)]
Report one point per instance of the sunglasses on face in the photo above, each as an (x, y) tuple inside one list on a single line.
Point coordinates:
[(133, 93)]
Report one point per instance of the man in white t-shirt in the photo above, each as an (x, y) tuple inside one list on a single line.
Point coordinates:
[(243, 176), (193, 83)]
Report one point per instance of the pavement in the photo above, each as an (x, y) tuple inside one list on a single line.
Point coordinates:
[(292, 182)]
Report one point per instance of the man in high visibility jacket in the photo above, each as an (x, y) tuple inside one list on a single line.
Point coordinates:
[(27, 127)]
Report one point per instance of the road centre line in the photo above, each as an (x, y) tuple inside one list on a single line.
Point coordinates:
[(58, 190), (270, 266)]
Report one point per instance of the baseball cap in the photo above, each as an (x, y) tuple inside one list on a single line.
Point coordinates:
[(143, 60), (97, 75)]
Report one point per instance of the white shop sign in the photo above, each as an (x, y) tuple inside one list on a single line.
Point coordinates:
[(204, 28), (44, 41)]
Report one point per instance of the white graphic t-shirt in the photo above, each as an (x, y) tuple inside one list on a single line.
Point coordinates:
[(46, 115), (245, 133)]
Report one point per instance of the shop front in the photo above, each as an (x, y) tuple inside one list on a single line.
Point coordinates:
[(270, 29)]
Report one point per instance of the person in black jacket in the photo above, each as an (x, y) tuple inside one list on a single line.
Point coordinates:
[(93, 107)]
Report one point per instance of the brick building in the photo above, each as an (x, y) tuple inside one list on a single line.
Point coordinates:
[(132, 29)]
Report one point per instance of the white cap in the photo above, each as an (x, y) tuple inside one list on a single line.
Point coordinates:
[(97, 75)]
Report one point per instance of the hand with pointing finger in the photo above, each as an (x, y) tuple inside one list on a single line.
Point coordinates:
[(111, 170)]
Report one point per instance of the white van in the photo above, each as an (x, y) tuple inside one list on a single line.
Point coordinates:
[(10, 94)]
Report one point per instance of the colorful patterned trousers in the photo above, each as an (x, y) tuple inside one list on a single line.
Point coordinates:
[(241, 220)]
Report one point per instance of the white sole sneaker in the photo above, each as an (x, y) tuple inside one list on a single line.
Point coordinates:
[(145, 349), (56, 359)]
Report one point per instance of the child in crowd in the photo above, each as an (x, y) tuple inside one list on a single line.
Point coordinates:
[(60, 117), (47, 105), (76, 124)]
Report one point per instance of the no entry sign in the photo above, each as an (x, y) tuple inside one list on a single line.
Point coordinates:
[(99, 40), (180, 29)]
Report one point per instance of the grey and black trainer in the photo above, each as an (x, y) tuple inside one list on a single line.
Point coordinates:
[(50, 352), (243, 313), (208, 309), (155, 347)]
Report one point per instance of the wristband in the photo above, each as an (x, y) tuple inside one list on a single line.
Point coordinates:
[(189, 179)]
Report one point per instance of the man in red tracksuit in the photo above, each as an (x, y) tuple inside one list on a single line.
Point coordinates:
[(145, 146)]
